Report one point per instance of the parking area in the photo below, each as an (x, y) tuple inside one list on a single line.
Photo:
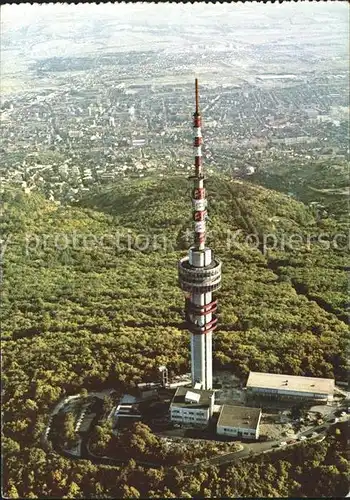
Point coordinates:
[(282, 424), (322, 410), (276, 425), (228, 389)]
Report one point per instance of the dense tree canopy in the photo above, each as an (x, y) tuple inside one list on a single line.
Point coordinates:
[(90, 313)]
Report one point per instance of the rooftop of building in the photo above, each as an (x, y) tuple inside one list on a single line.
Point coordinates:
[(126, 410), (86, 423), (201, 398), (290, 382), (239, 416)]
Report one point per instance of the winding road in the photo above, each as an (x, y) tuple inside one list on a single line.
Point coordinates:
[(249, 449)]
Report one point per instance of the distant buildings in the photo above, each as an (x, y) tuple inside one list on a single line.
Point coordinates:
[(290, 387), (99, 122), (74, 134), (239, 421), (138, 142), (289, 141)]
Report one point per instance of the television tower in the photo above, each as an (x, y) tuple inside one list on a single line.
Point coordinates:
[(200, 273)]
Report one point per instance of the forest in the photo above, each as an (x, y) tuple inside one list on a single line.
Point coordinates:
[(323, 181), (86, 304)]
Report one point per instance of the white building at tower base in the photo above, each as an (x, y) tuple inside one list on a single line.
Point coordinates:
[(192, 407)]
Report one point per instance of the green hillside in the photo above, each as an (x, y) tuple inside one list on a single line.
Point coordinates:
[(86, 304), (323, 180)]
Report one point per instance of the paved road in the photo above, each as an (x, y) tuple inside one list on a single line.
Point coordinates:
[(250, 449), (253, 448), (258, 448)]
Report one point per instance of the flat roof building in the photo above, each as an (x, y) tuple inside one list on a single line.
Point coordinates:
[(192, 407), (126, 412), (290, 386), (239, 421), (85, 423)]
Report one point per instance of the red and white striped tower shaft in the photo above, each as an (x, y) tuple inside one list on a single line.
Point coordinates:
[(200, 273), (199, 191)]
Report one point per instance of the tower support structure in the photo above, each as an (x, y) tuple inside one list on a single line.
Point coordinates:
[(200, 272)]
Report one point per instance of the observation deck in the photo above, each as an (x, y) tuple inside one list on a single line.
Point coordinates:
[(199, 279)]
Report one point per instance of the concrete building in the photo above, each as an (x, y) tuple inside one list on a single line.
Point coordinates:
[(290, 387), (138, 142), (147, 390), (239, 421), (126, 412), (85, 424), (192, 407), (200, 275)]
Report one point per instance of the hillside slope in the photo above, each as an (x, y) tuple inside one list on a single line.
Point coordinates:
[(81, 281), (87, 304), (310, 252)]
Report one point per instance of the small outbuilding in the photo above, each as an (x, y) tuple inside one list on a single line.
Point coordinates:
[(239, 421), (128, 413)]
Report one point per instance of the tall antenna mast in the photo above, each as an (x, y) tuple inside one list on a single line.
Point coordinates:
[(200, 272), (197, 96), (200, 203)]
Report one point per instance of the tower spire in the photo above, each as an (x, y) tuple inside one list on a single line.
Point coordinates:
[(197, 96), (200, 272), (200, 202)]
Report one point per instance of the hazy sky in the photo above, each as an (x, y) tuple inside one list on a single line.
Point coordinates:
[(24, 14)]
